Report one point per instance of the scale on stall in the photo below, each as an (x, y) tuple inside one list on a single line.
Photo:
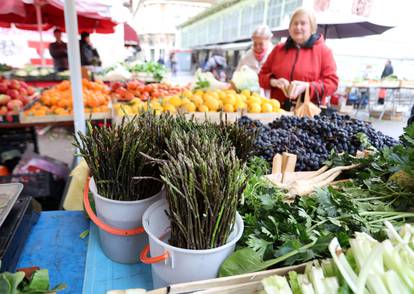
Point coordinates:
[(17, 216)]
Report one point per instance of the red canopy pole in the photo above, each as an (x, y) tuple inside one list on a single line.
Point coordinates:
[(39, 20)]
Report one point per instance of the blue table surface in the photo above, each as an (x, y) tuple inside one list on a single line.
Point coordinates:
[(54, 244)]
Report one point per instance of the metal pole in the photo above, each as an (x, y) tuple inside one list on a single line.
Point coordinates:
[(40, 30), (71, 24)]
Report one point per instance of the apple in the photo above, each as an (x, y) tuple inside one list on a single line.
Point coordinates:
[(30, 91), (23, 84), (4, 99), (3, 110), (116, 85), (13, 93), (24, 99), (15, 105), (3, 86), (132, 85), (23, 91), (14, 84)]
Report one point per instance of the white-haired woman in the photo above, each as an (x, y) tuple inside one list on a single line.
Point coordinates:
[(261, 48), (302, 61)]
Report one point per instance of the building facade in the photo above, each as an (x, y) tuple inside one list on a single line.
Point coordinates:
[(234, 21), (156, 22)]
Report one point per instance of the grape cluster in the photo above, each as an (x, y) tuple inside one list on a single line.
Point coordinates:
[(312, 139)]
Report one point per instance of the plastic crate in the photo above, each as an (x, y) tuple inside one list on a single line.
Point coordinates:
[(42, 186)]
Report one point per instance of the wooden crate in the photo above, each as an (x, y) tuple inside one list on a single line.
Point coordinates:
[(61, 118), (388, 115), (241, 284), (216, 116)]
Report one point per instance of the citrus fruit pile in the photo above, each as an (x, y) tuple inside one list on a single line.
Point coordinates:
[(58, 99), (203, 101)]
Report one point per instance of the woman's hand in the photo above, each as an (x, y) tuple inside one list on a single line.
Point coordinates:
[(281, 83), (297, 88)]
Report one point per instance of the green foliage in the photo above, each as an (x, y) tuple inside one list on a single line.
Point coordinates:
[(15, 283)]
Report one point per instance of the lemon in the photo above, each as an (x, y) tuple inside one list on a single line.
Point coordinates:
[(155, 106), (222, 94), (136, 101), (275, 104), (267, 107), (175, 101), (166, 101), (170, 108), (202, 108), (184, 101), (228, 108), (240, 105), (212, 103), (198, 93), (230, 99), (127, 110), (197, 99), (254, 108), (189, 107), (187, 94), (246, 93), (254, 100)]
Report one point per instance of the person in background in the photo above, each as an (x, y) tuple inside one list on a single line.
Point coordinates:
[(173, 64), (59, 51), (388, 70), (262, 46), (302, 61), (89, 55), (161, 60), (217, 65)]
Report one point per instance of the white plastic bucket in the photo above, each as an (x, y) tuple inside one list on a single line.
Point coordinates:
[(122, 215), (182, 265)]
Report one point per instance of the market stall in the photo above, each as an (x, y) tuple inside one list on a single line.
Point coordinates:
[(297, 197)]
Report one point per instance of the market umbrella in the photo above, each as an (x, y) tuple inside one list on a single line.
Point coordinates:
[(130, 35), (40, 15), (85, 15), (334, 26)]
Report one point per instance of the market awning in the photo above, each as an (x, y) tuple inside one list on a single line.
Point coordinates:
[(336, 26), (130, 35), (93, 16)]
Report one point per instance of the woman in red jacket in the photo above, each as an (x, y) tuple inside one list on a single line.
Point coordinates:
[(302, 61)]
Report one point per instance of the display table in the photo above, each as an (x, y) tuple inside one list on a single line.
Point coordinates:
[(54, 244)]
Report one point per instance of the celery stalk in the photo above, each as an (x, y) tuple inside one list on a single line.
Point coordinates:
[(342, 264), (394, 283), (276, 285)]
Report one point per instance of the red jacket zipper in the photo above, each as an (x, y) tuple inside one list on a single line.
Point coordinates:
[(294, 63)]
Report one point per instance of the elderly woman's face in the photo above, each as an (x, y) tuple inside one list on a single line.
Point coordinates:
[(260, 44), (300, 29)]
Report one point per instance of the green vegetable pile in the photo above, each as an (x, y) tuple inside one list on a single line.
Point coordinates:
[(204, 180), (16, 283), (368, 266), (281, 233), (157, 70)]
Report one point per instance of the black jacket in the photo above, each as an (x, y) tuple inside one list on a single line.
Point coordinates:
[(388, 70), (59, 52), (89, 55)]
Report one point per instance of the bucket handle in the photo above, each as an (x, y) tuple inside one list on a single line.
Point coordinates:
[(101, 224), (150, 260)]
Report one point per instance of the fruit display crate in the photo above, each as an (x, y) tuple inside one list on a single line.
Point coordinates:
[(217, 116), (15, 118), (25, 119)]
